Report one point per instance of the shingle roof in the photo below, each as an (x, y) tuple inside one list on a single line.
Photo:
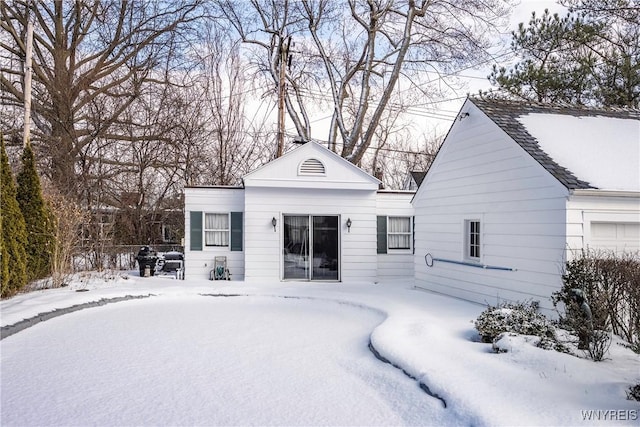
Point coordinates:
[(418, 176), (504, 113)]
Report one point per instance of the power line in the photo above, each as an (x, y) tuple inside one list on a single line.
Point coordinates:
[(413, 109), (392, 150)]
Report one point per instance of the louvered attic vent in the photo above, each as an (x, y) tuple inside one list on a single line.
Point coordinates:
[(311, 167)]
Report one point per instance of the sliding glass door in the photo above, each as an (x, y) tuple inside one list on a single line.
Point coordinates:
[(325, 248), (310, 247), (296, 247)]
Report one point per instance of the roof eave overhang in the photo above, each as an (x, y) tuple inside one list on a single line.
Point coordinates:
[(594, 192)]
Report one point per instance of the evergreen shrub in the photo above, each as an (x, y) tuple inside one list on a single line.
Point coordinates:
[(37, 217), (13, 236), (517, 317)]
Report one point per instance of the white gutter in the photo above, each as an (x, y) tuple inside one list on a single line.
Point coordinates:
[(591, 192)]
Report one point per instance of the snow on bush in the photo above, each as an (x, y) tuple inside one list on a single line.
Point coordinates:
[(516, 318), (508, 342)]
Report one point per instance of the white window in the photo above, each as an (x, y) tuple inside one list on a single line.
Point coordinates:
[(472, 240), (216, 229), (399, 233)]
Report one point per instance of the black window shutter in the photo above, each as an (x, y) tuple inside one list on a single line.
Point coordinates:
[(382, 234), (236, 231), (196, 231), (413, 230)]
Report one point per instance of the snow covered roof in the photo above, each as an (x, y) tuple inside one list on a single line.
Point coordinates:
[(582, 148)]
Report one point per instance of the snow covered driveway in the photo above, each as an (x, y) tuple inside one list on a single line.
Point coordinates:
[(203, 360), (286, 353)]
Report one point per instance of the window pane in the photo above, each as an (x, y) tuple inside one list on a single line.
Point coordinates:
[(216, 238), (473, 241), (216, 229), (399, 241), (399, 232), (399, 224), (216, 222)]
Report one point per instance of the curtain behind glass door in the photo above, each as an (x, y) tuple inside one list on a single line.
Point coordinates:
[(296, 247)]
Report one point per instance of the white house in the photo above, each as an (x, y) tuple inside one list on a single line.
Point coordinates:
[(308, 215), (515, 188)]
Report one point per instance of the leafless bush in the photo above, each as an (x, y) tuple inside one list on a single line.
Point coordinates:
[(68, 217), (610, 286), (599, 345)]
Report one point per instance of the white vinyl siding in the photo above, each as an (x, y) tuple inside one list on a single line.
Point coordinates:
[(264, 248), (481, 173), (199, 263), (395, 264), (278, 189), (216, 229), (603, 222)]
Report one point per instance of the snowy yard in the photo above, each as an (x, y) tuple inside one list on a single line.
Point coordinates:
[(287, 354)]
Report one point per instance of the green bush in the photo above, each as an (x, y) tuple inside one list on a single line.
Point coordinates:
[(13, 235), (37, 218), (519, 317)]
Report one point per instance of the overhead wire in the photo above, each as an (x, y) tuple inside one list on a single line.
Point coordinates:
[(415, 109), (392, 150)]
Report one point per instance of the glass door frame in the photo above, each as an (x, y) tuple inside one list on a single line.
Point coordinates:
[(304, 259)]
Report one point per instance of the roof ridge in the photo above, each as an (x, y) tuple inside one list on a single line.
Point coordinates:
[(562, 107)]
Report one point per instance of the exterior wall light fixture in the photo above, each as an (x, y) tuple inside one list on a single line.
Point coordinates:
[(349, 225), (274, 221)]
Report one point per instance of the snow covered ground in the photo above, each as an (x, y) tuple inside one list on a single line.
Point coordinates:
[(287, 354)]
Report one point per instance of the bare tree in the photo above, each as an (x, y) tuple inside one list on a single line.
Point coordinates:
[(356, 52), (91, 61), (223, 86), (68, 217), (214, 137), (397, 155), (138, 172)]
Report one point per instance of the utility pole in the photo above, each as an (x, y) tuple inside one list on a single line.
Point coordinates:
[(27, 84), (283, 59)]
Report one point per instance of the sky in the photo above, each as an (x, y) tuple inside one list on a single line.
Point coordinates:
[(522, 12), (439, 118), (476, 79)]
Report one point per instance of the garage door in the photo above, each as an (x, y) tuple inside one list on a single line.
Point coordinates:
[(618, 236)]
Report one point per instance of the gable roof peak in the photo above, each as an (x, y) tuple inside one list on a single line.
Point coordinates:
[(310, 164)]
